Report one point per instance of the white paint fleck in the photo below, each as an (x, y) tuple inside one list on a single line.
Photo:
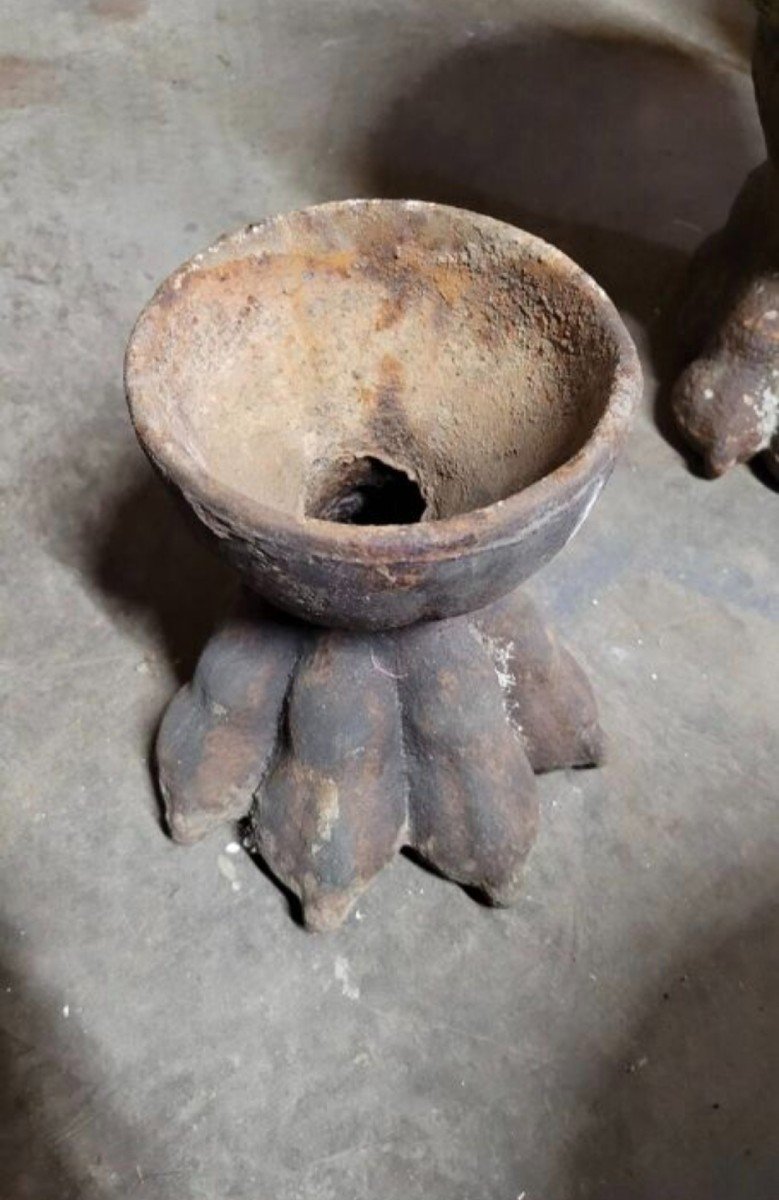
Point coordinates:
[(232, 848), (767, 413), (772, 314), (343, 974), (502, 652), (235, 885), (226, 868), (66, 1010), (653, 676), (708, 393)]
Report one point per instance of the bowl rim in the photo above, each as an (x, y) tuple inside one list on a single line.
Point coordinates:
[(229, 511)]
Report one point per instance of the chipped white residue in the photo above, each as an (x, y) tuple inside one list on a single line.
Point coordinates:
[(218, 709), (66, 1010), (343, 974), (232, 848), (767, 412), (708, 393), (502, 653)]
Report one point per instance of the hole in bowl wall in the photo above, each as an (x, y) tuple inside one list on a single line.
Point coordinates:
[(368, 491)]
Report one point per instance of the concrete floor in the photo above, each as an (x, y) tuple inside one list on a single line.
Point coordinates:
[(169, 1035)]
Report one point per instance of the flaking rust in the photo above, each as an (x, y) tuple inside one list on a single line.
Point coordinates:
[(387, 415)]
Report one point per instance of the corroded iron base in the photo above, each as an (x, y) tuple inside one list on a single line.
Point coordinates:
[(343, 747), (726, 402)]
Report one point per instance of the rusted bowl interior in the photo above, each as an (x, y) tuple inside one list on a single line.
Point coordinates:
[(374, 366), (381, 363)]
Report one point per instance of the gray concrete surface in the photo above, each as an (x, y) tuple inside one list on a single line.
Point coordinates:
[(167, 1031)]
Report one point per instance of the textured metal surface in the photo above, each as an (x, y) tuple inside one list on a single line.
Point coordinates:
[(344, 746), (727, 400), (308, 385), (440, 342)]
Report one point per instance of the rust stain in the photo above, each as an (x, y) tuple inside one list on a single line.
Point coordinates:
[(227, 752), (390, 381), (339, 262), (27, 81), (285, 268), (451, 283), (391, 310), (389, 416), (119, 10)]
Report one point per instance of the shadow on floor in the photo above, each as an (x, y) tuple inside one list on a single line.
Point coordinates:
[(621, 151), (688, 1107), (103, 512), (59, 1136), (149, 560)]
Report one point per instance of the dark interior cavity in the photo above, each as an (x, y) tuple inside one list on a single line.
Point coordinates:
[(368, 491)]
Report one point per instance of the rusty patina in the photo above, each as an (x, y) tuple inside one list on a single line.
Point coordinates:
[(343, 746), (726, 401), (387, 415)]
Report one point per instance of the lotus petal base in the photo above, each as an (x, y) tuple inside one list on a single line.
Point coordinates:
[(342, 747)]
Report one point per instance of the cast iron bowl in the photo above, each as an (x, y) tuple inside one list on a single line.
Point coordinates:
[(383, 411)]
